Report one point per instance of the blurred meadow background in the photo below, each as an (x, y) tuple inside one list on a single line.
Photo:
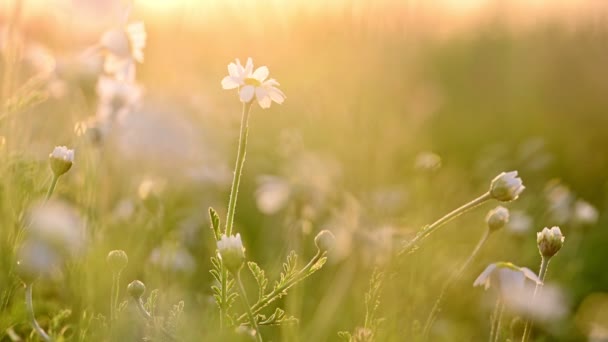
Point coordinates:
[(396, 113)]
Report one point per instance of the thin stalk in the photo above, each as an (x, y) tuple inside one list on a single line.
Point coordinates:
[(238, 169), (112, 296), (544, 265), (51, 187), (116, 293), (428, 230), (453, 278), (493, 320), (30, 310), (499, 322), (252, 319), (224, 295)]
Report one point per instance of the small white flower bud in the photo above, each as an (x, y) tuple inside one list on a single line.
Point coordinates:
[(549, 241), (117, 260), (231, 251), (497, 218), (506, 186), (136, 289), (325, 241), (61, 160)]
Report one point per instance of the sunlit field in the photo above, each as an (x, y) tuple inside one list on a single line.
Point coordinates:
[(223, 170)]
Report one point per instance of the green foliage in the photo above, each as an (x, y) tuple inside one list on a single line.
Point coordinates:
[(260, 278)]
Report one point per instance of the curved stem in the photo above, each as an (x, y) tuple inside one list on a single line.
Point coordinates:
[(544, 265), (238, 169), (428, 230), (252, 319), (453, 278), (30, 310), (51, 187)]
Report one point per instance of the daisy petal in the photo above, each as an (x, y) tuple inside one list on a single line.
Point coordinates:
[(265, 102), (261, 73), (229, 83), (233, 70), (248, 67), (246, 93), (276, 95), (261, 93)]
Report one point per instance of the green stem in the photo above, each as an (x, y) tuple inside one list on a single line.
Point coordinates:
[(51, 187), (544, 265), (499, 322), (116, 294), (238, 169), (453, 278), (493, 320), (252, 319), (269, 298), (224, 295), (428, 230), (112, 296), (30, 310)]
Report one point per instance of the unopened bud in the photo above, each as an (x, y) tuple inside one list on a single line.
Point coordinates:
[(497, 218), (325, 241), (136, 289), (506, 186), (117, 260), (231, 252), (549, 241), (61, 160)]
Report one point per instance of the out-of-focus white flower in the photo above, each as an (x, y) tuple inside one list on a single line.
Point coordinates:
[(231, 251), (427, 161), (325, 241), (506, 187), (123, 47), (549, 241), (547, 305), (560, 201), (272, 194), (150, 191), (174, 258), (497, 218), (59, 225), (519, 222), (585, 213), (61, 160), (253, 84), (592, 317), (116, 98), (507, 278), (55, 233)]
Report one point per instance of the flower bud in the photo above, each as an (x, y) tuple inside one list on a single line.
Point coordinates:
[(497, 218), (231, 251), (549, 241), (61, 160), (506, 186), (117, 260), (325, 241), (136, 289)]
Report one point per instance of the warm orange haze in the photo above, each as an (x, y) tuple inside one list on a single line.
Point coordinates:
[(223, 170)]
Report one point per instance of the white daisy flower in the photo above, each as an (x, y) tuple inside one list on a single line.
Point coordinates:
[(124, 47), (506, 277), (253, 84)]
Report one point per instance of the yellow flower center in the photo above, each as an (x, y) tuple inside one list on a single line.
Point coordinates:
[(252, 81)]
